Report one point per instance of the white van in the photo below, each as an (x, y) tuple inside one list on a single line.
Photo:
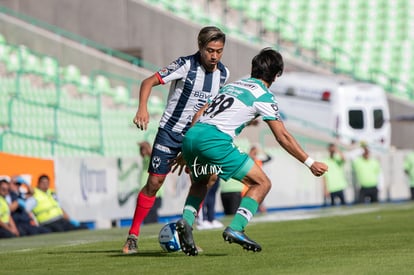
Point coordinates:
[(347, 110)]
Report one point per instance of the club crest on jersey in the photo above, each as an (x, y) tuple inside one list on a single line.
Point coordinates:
[(163, 72), (156, 162), (173, 66)]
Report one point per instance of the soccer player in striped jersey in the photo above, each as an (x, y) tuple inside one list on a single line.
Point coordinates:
[(194, 80), (209, 151)]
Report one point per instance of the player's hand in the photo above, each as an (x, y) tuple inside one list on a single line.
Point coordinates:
[(141, 119), (318, 168), (178, 163)]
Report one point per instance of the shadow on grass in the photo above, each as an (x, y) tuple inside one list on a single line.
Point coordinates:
[(149, 253)]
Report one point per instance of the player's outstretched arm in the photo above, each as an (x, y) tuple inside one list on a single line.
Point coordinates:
[(141, 118), (289, 143), (198, 114)]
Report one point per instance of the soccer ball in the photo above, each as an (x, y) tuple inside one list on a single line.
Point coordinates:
[(168, 238)]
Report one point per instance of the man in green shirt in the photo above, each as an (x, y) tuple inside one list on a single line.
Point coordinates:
[(334, 180), (367, 171), (409, 170), (231, 195)]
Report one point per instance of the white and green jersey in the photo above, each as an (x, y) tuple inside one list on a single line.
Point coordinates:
[(238, 103)]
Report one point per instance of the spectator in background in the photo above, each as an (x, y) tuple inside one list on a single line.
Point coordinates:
[(19, 191), (409, 171), (8, 228), (145, 150), (367, 171), (207, 217), (253, 153), (334, 180), (45, 207), (231, 195)]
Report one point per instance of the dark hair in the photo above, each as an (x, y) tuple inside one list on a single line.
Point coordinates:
[(208, 34), (43, 176), (267, 65)]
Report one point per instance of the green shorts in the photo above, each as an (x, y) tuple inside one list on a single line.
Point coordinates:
[(207, 150)]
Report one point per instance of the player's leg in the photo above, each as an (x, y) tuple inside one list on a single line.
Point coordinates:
[(374, 194), (341, 196), (333, 196), (259, 186), (166, 147), (196, 194)]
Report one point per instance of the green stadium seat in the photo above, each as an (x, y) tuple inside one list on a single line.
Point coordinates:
[(4, 103), (237, 4), (85, 85), (326, 51), (13, 63), (121, 95), (271, 22), (50, 68), (102, 85), (71, 74), (344, 62), (255, 10), (198, 15), (32, 64), (156, 105), (4, 52)]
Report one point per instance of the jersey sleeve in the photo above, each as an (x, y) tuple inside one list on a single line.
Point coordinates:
[(175, 70), (268, 108)]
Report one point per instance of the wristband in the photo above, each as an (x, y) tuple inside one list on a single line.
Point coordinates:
[(308, 162)]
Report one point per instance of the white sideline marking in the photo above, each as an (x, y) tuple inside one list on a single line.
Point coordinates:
[(290, 215)]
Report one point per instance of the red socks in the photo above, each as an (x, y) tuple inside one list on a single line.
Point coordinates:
[(144, 205)]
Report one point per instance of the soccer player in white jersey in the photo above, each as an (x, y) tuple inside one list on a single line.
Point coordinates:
[(194, 79), (209, 151)]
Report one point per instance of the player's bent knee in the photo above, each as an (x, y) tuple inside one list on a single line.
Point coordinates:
[(265, 185)]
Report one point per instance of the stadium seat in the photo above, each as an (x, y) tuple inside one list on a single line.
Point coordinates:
[(255, 10), (4, 52), (4, 102), (85, 85), (50, 69), (237, 4), (102, 85), (71, 74), (156, 105), (12, 63), (121, 95)]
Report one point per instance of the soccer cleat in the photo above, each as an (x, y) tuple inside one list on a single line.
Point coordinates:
[(185, 235), (233, 236), (130, 246)]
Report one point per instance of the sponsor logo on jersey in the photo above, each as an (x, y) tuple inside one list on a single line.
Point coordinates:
[(162, 148), (246, 84)]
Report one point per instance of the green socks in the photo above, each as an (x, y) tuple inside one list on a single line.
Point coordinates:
[(192, 205), (245, 212)]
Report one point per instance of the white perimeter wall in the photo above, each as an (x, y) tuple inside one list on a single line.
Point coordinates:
[(97, 189)]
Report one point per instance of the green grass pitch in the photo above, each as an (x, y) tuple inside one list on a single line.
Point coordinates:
[(378, 239)]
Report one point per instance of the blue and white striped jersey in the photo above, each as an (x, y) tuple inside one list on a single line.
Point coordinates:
[(191, 87)]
